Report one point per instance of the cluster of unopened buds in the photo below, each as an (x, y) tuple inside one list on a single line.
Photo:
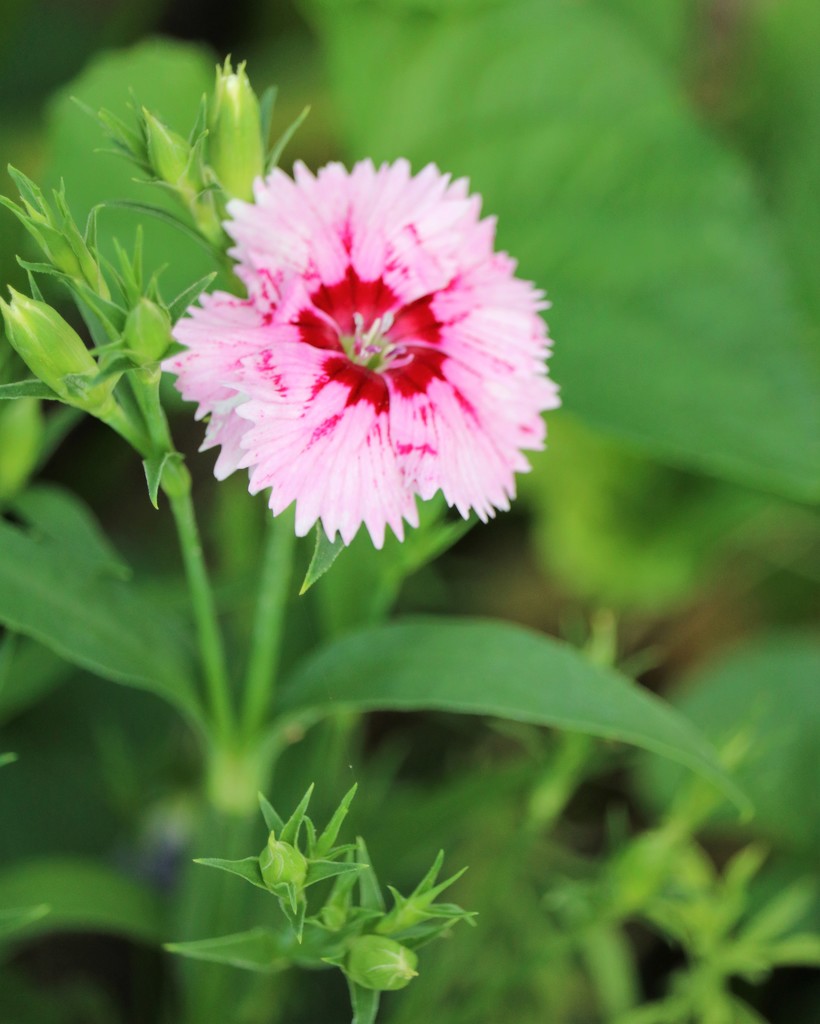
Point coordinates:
[(373, 946)]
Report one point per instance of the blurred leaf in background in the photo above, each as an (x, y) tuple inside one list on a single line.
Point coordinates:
[(675, 313)]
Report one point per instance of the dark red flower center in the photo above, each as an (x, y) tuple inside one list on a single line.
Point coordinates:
[(374, 339)]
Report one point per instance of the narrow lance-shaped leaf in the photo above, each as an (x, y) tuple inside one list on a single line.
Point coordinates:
[(290, 831), (483, 667), (272, 819), (328, 836), (247, 868)]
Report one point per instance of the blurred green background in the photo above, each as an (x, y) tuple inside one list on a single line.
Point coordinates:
[(655, 166)]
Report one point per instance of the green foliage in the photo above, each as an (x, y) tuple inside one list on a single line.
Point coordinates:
[(620, 530), (463, 666), (60, 585), (82, 895), (763, 695), (647, 233)]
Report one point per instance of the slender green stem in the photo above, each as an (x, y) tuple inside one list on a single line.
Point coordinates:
[(268, 624), (210, 638)]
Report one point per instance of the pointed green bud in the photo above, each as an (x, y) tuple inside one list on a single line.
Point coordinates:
[(147, 333), (236, 149), (281, 863), (168, 153), (377, 962), (55, 353)]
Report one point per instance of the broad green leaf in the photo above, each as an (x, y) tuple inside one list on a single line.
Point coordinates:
[(49, 593), (766, 693), (623, 532), (62, 517), (83, 895), (776, 107), (32, 671), (169, 79), (647, 233), (492, 668), (17, 919)]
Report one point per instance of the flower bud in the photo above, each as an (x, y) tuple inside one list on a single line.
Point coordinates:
[(281, 863), (235, 146), (54, 352), (168, 152), (147, 333), (377, 962)]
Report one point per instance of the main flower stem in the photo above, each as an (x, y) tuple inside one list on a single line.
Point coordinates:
[(211, 648), (268, 624)]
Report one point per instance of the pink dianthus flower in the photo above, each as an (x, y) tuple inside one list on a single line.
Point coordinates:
[(384, 351)]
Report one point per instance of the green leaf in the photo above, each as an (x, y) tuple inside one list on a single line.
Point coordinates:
[(647, 233), (260, 949), (364, 1003), (766, 692), (7, 759), (154, 468), (16, 920), (32, 671), (775, 104), (318, 870), (272, 819), (247, 868), (492, 668), (325, 554), (32, 388), (165, 76), (370, 893), (50, 592), (331, 831), (290, 831), (60, 516), (83, 895)]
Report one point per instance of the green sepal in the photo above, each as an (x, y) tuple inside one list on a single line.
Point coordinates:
[(369, 890), (178, 306), (438, 923), (291, 828), (154, 468), (331, 831), (247, 868), (319, 870), (275, 154), (272, 819), (325, 553), (293, 906)]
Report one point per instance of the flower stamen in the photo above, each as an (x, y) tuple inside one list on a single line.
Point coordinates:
[(371, 348)]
